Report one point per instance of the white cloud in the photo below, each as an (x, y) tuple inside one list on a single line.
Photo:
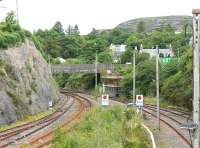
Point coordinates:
[(87, 14)]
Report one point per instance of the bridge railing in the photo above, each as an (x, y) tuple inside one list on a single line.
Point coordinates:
[(82, 68)]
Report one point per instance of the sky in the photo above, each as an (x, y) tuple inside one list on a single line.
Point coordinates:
[(88, 14)]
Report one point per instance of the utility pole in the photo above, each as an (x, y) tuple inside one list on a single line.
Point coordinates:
[(134, 74), (196, 86), (17, 11), (157, 87), (49, 65), (178, 55), (96, 71)]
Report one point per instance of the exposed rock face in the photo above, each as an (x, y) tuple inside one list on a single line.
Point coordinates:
[(152, 23), (26, 86)]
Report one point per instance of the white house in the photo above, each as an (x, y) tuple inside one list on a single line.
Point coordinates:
[(117, 51), (162, 52)]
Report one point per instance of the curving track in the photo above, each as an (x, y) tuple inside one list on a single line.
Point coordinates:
[(72, 106), (173, 119)]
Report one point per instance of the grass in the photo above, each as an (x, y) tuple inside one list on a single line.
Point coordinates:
[(25, 120), (113, 127), (163, 103)]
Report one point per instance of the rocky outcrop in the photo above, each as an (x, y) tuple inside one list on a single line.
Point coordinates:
[(152, 23), (26, 85)]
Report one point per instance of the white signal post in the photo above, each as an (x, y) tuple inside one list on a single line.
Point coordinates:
[(196, 85)]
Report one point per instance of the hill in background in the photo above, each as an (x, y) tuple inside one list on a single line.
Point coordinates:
[(152, 23)]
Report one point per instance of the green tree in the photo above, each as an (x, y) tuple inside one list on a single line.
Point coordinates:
[(10, 18), (58, 27), (105, 57), (69, 30), (76, 30)]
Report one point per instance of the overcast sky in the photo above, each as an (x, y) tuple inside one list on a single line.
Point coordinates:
[(88, 14)]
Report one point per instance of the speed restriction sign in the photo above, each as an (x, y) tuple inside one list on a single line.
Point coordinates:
[(105, 100), (139, 100)]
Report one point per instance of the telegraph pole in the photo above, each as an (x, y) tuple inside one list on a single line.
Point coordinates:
[(49, 66), (96, 71), (17, 11), (157, 87), (196, 85), (134, 74)]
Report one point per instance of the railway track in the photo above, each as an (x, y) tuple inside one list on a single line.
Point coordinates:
[(13, 135), (45, 139), (173, 119)]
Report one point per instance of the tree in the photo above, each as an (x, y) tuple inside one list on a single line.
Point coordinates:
[(118, 36), (58, 27), (177, 81), (69, 30), (76, 30), (134, 40), (105, 57), (10, 18)]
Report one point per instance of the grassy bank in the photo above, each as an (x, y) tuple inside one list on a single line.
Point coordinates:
[(112, 127), (163, 103), (26, 120)]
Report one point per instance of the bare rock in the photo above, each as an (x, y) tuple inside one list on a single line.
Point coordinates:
[(26, 85)]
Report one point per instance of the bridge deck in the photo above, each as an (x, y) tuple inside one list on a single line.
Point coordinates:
[(82, 68)]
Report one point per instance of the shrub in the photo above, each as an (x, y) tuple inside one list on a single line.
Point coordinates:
[(33, 86), (28, 92), (103, 127), (15, 97)]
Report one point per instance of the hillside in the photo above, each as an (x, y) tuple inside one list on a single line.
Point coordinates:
[(25, 83), (151, 23)]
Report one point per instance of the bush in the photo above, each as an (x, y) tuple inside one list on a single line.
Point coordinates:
[(33, 86), (15, 97), (103, 127)]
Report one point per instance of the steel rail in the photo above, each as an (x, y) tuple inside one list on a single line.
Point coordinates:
[(44, 123), (173, 128), (4, 132), (77, 115)]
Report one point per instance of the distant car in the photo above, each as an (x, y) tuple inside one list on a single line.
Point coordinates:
[(130, 104)]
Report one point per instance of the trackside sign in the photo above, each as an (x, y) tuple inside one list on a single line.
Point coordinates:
[(139, 100), (105, 100)]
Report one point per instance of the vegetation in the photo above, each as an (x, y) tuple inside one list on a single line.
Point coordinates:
[(104, 127), (25, 120), (11, 33), (175, 77)]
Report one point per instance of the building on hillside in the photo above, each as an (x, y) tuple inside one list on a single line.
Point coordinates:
[(162, 52), (111, 85), (117, 51)]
